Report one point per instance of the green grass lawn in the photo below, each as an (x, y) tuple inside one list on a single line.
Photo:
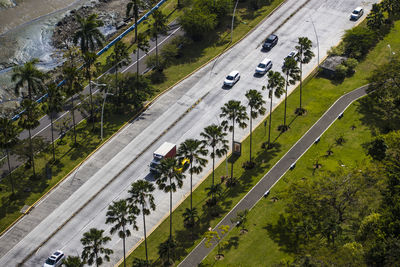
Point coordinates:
[(257, 243), (318, 95)]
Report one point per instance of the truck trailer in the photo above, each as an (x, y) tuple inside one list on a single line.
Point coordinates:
[(166, 150)]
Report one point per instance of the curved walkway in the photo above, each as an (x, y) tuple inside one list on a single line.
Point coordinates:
[(279, 169)]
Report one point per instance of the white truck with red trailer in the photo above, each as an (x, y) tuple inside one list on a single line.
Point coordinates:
[(166, 150)]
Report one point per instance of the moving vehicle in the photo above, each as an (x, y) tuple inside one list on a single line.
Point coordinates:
[(357, 13), (270, 42), (232, 78), (292, 54), (166, 150), (264, 66), (55, 259)]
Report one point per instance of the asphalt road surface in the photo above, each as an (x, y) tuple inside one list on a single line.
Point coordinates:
[(278, 170), (81, 201)]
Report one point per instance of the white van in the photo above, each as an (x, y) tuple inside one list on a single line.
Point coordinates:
[(264, 66)]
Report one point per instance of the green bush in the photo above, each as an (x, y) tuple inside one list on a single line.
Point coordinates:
[(351, 64), (340, 72), (358, 41), (197, 23)]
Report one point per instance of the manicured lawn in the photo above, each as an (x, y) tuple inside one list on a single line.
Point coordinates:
[(318, 95), (257, 243)]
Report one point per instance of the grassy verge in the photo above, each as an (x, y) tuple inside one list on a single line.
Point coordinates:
[(318, 95), (257, 243), (28, 190)]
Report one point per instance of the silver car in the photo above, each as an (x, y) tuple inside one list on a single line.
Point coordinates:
[(357, 13), (55, 259), (232, 78)]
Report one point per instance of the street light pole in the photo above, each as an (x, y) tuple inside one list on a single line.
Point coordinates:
[(233, 18), (316, 37), (102, 114)]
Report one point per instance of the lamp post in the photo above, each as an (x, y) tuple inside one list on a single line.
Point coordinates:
[(102, 108), (233, 18), (316, 37)]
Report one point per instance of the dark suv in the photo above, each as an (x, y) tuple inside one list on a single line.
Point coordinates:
[(270, 42)]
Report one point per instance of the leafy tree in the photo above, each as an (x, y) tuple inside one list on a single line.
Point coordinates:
[(214, 137), (194, 151), (168, 180), (73, 261), (135, 91), (375, 18), (351, 64), (88, 34), (303, 56), (8, 139), (358, 41), (121, 214), (134, 6), (118, 58), (93, 243), (392, 7), (140, 263), (214, 237), (22, 148), (256, 104), (54, 104), (29, 120), (158, 26), (73, 80), (291, 70), (377, 149), (198, 23), (276, 85), (28, 74), (141, 194), (341, 72), (233, 112)]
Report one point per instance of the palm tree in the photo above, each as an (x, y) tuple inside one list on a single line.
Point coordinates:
[(8, 138), (234, 112), (93, 243), (30, 120), (303, 56), (141, 194), (134, 6), (73, 86), (89, 59), (73, 261), (291, 70), (121, 214), (276, 85), (214, 190), (88, 33), (158, 26), (28, 74), (190, 216), (256, 104), (54, 104), (142, 44), (194, 151), (118, 58), (168, 180), (214, 137)]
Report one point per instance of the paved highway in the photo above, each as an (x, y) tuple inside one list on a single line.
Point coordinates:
[(106, 176)]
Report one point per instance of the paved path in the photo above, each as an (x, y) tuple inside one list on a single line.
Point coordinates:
[(279, 169)]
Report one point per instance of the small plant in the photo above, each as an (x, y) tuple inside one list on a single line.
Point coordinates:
[(339, 141), (214, 237)]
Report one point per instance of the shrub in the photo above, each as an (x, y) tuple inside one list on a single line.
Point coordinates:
[(337, 50), (358, 41), (351, 64), (197, 22), (341, 71), (151, 62)]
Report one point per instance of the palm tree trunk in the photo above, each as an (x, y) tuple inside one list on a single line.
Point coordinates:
[(213, 158), (191, 185), (123, 244), (145, 238), (270, 122), (116, 82), (170, 220), (31, 150), (73, 118), (91, 100), (251, 128), (301, 83), (9, 171), (135, 10), (52, 137), (233, 138), (284, 118), (97, 265)]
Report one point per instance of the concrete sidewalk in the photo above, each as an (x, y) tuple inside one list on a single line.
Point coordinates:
[(279, 169)]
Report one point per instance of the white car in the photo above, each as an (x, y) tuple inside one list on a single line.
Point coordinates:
[(292, 54), (55, 259), (357, 13), (264, 66), (232, 78)]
